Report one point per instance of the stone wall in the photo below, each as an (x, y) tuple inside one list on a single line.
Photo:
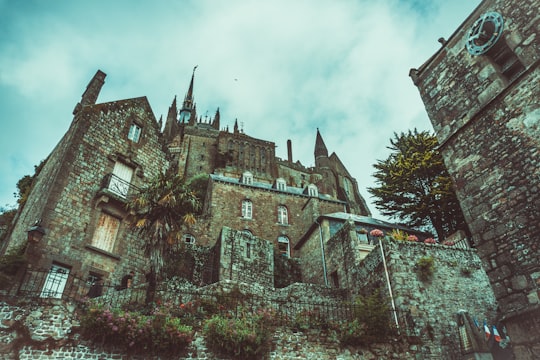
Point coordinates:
[(49, 330), (246, 258), (488, 125)]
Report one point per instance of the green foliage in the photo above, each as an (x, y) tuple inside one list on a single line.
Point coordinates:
[(246, 337), (372, 321), (425, 267), (398, 234), (135, 332), (159, 210), (413, 185), (25, 184), (199, 184)]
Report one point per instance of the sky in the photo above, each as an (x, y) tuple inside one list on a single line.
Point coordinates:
[(282, 68)]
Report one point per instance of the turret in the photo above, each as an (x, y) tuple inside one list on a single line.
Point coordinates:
[(320, 148)]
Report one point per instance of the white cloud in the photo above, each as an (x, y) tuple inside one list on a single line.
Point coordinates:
[(283, 68)]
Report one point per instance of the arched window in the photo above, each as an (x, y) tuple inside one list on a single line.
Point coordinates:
[(282, 215), (188, 239), (247, 209), (283, 246)]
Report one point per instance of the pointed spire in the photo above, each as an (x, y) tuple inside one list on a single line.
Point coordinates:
[(215, 123), (236, 126), (160, 122), (186, 113), (170, 122), (320, 147)]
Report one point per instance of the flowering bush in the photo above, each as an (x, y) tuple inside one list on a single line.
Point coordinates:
[(247, 336), (376, 233), (157, 333), (430, 241), (412, 238), (448, 243)]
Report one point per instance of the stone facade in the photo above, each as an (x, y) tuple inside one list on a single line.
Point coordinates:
[(484, 108), (110, 149)]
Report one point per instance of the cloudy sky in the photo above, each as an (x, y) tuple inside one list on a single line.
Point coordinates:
[(283, 68)]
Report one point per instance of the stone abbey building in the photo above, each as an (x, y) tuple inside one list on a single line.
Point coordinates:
[(78, 201), (482, 93)]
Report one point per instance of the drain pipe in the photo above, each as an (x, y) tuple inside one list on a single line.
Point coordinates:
[(388, 283), (322, 254)]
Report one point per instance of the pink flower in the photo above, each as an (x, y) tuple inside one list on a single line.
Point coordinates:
[(449, 243), (412, 238), (376, 233), (429, 241)]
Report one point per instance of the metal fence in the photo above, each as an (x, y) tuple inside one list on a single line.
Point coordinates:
[(56, 283)]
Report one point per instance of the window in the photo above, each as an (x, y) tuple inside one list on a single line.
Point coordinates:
[(247, 209), (335, 279), (347, 184), (247, 232), (188, 239), (281, 185), (248, 250), (312, 190), (247, 178), (120, 180), (134, 133), (283, 246), (105, 233), (282, 215), (55, 282)]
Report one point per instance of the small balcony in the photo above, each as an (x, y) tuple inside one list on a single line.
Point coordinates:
[(117, 187)]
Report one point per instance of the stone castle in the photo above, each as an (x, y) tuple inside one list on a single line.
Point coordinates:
[(481, 91), (481, 96)]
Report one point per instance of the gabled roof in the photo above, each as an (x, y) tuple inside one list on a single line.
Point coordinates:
[(357, 219)]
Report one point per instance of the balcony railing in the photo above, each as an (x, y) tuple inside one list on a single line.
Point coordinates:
[(118, 186)]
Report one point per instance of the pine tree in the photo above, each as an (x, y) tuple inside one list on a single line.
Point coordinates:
[(414, 186)]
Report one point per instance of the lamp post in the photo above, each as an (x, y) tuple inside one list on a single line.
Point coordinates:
[(36, 232)]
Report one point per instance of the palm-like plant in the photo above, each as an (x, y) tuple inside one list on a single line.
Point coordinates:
[(158, 211)]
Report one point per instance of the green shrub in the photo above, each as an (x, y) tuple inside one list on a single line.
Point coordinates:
[(135, 332), (425, 267), (372, 321), (245, 337)]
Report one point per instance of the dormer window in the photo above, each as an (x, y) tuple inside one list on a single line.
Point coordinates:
[(247, 178), (281, 185), (134, 133), (312, 190)]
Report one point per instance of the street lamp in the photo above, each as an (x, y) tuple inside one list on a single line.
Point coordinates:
[(36, 232)]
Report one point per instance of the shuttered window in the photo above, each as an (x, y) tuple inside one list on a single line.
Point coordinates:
[(105, 233)]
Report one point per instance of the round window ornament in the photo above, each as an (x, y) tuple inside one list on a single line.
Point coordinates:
[(484, 33)]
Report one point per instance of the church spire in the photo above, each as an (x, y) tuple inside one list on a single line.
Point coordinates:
[(186, 113), (215, 122), (320, 147)]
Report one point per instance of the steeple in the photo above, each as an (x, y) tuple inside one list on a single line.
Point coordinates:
[(170, 122), (236, 126), (215, 123), (320, 147), (186, 112)]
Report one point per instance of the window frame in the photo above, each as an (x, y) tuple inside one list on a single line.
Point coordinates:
[(282, 239), (282, 215), (102, 238), (190, 237), (135, 132), (247, 209)]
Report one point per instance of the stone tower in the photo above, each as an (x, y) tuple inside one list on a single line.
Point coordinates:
[(481, 91)]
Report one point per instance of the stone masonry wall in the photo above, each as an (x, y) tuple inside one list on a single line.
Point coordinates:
[(489, 130)]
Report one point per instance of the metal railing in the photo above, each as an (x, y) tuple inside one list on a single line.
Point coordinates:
[(57, 284), (118, 186)]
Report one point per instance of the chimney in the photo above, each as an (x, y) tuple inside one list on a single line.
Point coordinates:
[(289, 151), (91, 93)]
